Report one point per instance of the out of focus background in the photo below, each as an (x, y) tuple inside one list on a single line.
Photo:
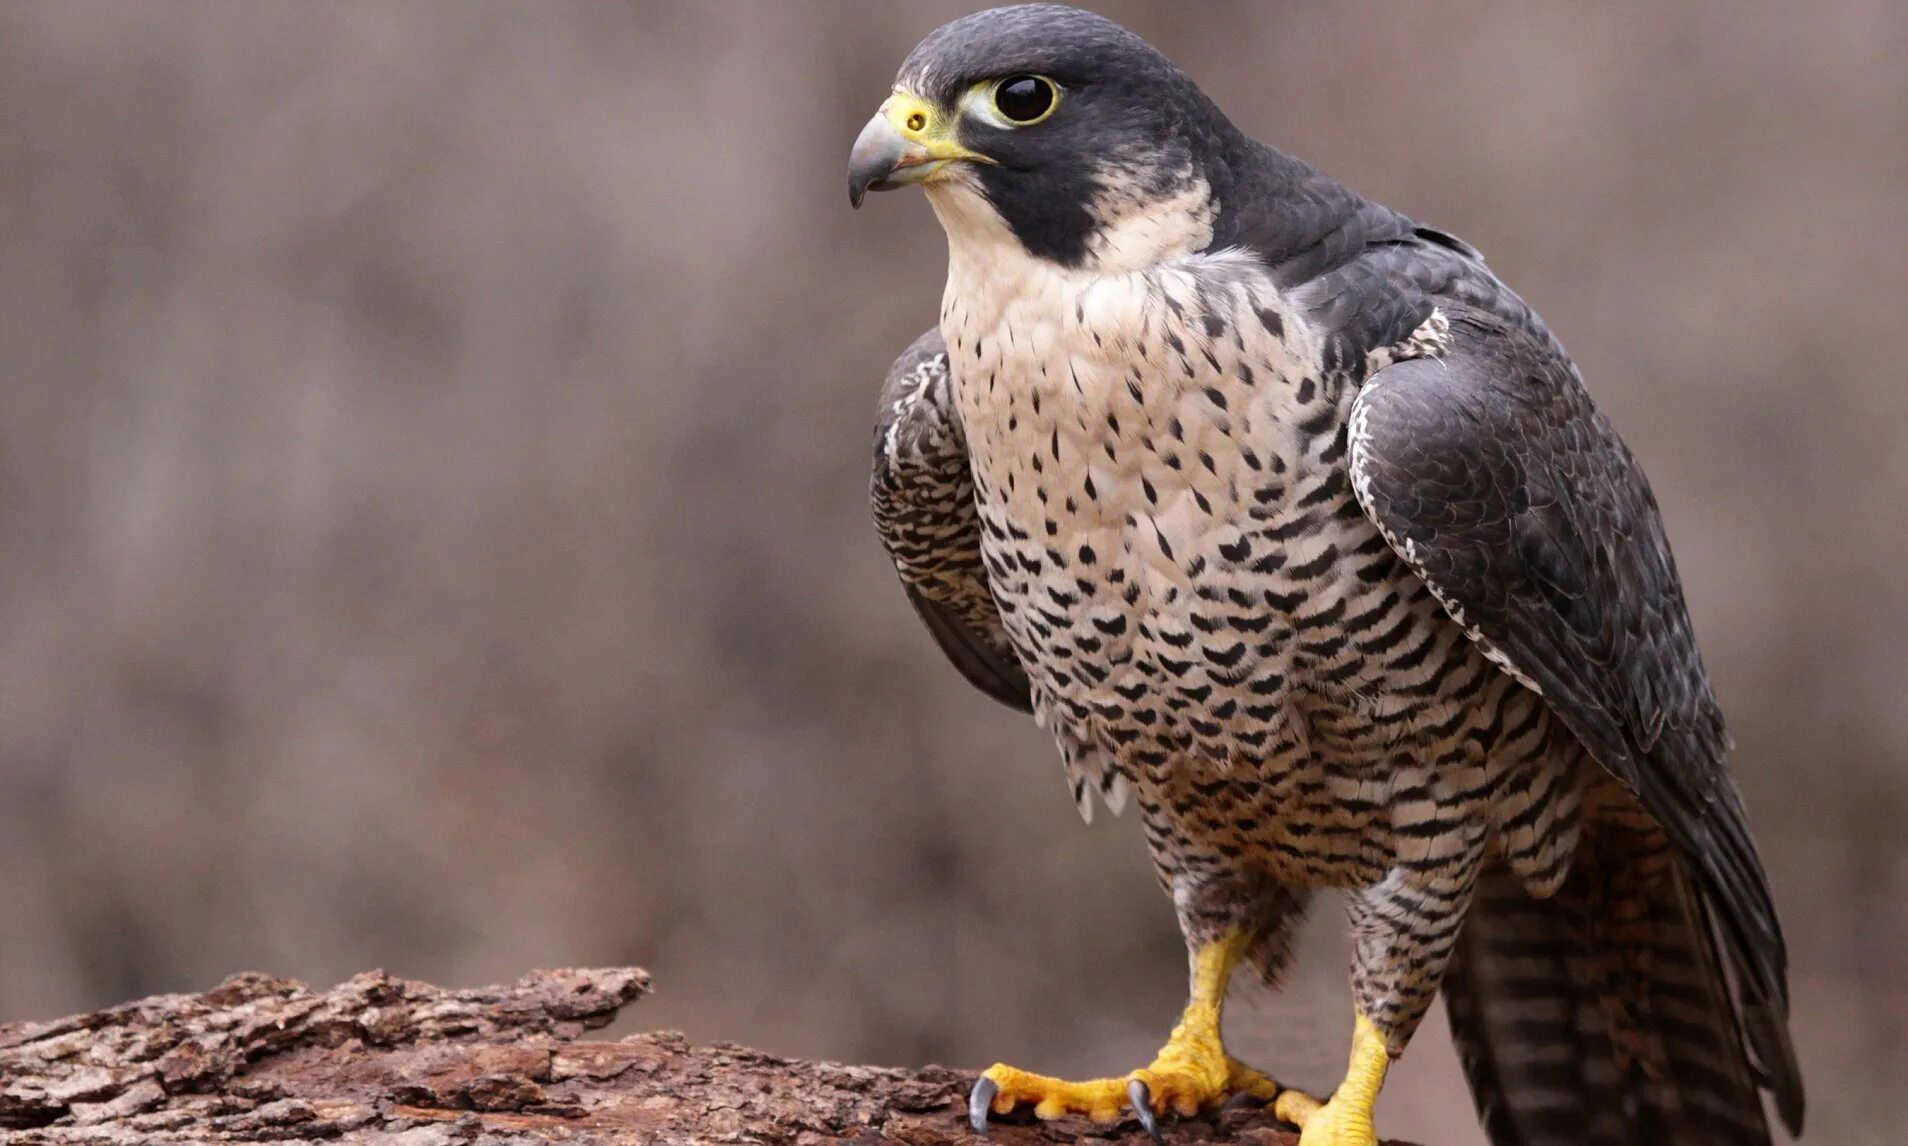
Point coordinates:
[(433, 447)]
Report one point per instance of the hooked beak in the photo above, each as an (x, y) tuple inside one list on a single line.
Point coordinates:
[(908, 141)]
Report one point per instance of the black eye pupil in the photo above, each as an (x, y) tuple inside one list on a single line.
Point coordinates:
[(1024, 98)]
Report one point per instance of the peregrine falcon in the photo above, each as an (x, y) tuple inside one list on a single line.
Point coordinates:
[(1299, 529)]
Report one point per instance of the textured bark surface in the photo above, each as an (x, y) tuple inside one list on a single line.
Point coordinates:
[(380, 1059)]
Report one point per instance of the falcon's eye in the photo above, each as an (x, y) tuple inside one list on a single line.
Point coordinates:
[(1024, 100)]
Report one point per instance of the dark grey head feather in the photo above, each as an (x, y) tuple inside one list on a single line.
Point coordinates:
[(1126, 115), (1130, 120)]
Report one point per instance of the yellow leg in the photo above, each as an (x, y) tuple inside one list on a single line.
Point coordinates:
[(1346, 1119), (1191, 1071)]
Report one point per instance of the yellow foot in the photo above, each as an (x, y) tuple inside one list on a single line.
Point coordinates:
[(1183, 1080), (1333, 1125), (1346, 1119), (1193, 1070), (1296, 1107)]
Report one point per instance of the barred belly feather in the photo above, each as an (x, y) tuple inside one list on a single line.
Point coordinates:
[(1182, 566)]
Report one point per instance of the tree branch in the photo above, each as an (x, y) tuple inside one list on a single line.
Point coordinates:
[(386, 1060)]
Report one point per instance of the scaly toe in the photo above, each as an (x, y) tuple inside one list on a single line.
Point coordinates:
[(1001, 1088), (1181, 1092), (1243, 1080), (1329, 1126), (1296, 1107)]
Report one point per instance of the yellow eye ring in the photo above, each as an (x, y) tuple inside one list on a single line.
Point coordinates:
[(1025, 100)]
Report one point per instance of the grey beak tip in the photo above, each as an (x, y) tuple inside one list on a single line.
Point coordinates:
[(877, 151)]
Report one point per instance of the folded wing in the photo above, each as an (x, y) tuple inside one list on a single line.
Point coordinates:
[(1495, 477), (924, 511)]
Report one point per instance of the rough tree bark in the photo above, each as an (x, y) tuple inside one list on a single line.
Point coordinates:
[(385, 1060)]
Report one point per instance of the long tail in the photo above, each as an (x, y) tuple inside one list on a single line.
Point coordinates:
[(1599, 1018)]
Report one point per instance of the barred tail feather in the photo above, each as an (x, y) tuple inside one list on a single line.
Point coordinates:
[(1528, 1031), (1585, 1022)]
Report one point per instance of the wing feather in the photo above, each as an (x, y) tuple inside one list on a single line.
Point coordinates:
[(1495, 477), (923, 499)]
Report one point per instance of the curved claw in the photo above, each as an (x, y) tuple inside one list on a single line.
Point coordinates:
[(1142, 1100), (979, 1101), (1243, 1100)]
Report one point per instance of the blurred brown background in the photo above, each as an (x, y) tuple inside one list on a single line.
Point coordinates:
[(432, 524)]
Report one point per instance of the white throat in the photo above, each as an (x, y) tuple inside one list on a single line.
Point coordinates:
[(990, 272), (1133, 231)]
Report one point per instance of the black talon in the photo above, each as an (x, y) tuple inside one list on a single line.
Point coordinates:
[(979, 1101), (1142, 1100)]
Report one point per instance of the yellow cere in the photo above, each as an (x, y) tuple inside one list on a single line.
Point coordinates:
[(926, 126)]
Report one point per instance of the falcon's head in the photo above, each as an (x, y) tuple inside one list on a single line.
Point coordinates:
[(1055, 129)]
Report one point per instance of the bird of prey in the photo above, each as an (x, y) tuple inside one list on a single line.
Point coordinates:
[(1295, 525)]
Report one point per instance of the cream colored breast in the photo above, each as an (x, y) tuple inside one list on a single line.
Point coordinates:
[(1123, 430)]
